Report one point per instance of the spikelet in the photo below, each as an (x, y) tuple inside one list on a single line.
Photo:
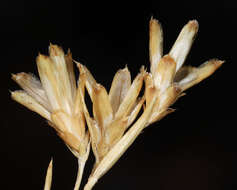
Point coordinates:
[(171, 78), (113, 112), (56, 98), (163, 86)]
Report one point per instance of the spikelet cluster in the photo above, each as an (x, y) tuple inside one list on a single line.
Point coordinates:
[(113, 125)]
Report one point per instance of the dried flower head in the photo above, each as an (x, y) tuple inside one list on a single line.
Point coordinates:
[(114, 111), (114, 125), (56, 98), (163, 86), (168, 78)]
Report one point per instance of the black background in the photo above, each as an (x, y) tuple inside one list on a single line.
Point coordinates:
[(193, 148)]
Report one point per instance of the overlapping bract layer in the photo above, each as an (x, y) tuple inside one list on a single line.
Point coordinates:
[(113, 112), (168, 78), (112, 127), (55, 97)]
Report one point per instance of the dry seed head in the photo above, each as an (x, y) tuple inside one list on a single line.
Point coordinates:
[(55, 96), (170, 78), (162, 89), (62, 103), (113, 112)]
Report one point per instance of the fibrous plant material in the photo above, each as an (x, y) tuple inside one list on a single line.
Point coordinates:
[(113, 125)]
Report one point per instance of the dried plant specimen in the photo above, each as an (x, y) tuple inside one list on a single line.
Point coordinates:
[(57, 99), (113, 125)]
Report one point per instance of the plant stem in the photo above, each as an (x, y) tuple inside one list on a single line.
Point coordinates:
[(81, 165), (91, 182)]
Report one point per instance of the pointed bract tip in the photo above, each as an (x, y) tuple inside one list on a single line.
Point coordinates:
[(98, 88), (80, 67), (77, 62), (17, 76), (143, 70), (214, 62), (153, 20), (20, 75), (11, 92), (41, 57), (69, 52), (55, 50), (193, 25), (51, 162), (13, 76), (15, 94), (126, 67), (217, 62)]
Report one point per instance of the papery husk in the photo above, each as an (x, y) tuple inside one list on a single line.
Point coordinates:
[(155, 44), (165, 73), (49, 81), (194, 75), (102, 109), (32, 86), (23, 98), (119, 88), (183, 44), (131, 96)]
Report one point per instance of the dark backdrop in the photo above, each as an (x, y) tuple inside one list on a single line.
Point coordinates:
[(193, 148)]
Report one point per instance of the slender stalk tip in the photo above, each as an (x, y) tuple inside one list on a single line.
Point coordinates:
[(48, 179)]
